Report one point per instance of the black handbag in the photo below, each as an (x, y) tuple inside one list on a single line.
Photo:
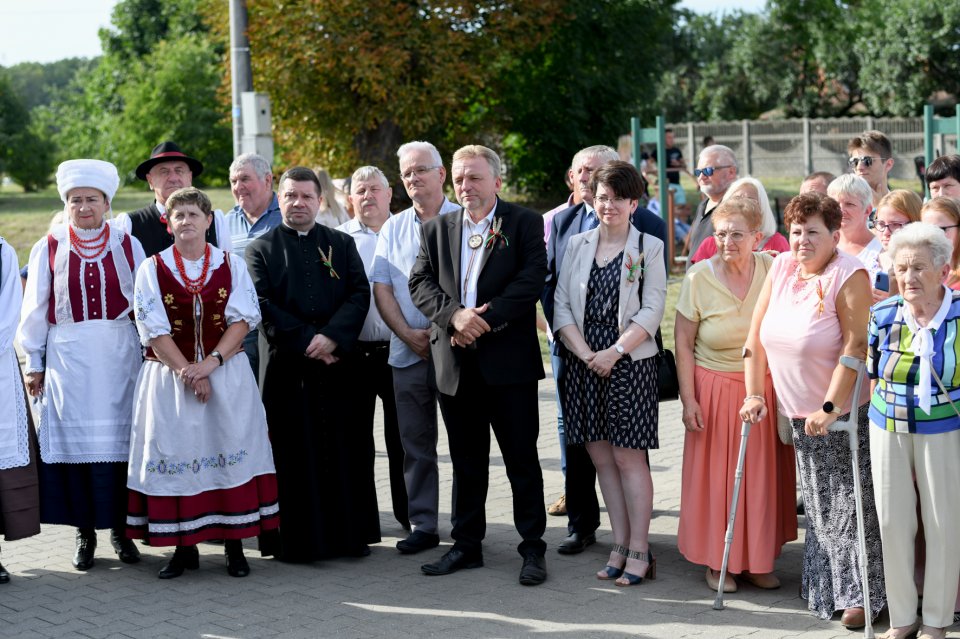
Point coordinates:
[(667, 382)]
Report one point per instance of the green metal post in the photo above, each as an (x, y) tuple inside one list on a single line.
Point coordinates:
[(662, 166), (635, 141)]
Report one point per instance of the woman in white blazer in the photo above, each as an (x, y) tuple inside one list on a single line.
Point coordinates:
[(609, 303)]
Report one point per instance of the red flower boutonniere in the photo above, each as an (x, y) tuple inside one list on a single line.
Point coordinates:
[(494, 234), (327, 260), (633, 267)]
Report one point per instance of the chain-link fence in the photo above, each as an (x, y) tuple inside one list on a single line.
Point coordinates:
[(794, 148)]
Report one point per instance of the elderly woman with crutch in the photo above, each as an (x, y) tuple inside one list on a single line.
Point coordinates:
[(811, 317), (714, 310), (915, 411)]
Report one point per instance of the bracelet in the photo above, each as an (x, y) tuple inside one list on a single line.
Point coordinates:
[(749, 397)]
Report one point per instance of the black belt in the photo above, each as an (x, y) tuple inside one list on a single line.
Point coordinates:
[(372, 347)]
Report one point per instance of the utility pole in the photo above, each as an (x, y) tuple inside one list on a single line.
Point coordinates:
[(240, 72)]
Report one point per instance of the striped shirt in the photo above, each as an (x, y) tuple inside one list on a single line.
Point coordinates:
[(893, 405)]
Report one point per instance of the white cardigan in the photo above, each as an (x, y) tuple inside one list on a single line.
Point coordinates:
[(571, 295)]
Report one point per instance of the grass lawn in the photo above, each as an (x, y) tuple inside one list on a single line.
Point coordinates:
[(24, 217)]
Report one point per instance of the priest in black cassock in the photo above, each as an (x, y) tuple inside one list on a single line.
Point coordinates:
[(314, 296)]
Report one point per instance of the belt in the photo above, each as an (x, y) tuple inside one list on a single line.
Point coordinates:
[(372, 347)]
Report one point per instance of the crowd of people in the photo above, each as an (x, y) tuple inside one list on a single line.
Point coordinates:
[(189, 368)]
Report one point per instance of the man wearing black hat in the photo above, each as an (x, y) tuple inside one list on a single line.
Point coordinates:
[(167, 170)]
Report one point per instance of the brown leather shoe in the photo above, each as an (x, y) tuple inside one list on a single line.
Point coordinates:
[(853, 619), (559, 507)]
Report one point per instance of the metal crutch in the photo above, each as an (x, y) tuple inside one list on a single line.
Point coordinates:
[(728, 538), (850, 427)]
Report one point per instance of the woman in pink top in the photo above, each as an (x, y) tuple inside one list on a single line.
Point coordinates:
[(813, 309)]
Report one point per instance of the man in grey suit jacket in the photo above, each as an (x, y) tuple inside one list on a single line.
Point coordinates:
[(477, 278), (583, 507)]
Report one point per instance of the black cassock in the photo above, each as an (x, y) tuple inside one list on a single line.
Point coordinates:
[(323, 456)]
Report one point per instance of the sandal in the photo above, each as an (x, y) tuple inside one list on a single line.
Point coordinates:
[(629, 579), (609, 572)]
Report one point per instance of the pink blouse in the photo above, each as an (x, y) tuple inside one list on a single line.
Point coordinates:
[(801, 333)]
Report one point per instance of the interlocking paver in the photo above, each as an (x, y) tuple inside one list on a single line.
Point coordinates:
[(386, 596)]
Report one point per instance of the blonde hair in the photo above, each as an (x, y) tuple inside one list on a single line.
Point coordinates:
[(951, 208), (479, 151), (747, 209), (903, 201)]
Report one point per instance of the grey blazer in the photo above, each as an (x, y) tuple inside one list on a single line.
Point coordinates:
[(571, 296)]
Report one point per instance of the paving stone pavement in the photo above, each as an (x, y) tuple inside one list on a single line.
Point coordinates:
[(385, 595)]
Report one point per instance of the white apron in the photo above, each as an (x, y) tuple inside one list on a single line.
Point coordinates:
[(91, 370), (182, 447), (14, 442)]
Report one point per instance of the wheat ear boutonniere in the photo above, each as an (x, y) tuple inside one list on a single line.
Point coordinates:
[(633, 267), (327, 260), (494, 233)]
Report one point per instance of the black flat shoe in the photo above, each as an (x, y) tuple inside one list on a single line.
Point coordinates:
[(86, 546), (534, 570), (576, 543), (183, 557), (4, 575), (454, 560), (418, 541), (125, 548), (237, 565)]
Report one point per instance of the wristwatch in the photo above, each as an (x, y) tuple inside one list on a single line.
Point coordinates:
[(619, 349), (218, 356), (829, 408)]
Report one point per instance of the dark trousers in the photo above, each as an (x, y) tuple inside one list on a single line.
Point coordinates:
[(375, 379), (251, 346), (583, 507), (512, 411)]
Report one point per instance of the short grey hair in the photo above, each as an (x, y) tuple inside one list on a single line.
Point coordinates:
[(420, 145), (368, 173), (602, 152), (479, 151), (255, 161), (724, 154), (850, 184), (920, 235), (768, 223)]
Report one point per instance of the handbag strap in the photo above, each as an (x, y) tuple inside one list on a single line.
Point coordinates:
[(944, 391), (643, 259)]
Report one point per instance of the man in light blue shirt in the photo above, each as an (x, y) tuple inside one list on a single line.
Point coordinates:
[(256, 212), (423, 174)]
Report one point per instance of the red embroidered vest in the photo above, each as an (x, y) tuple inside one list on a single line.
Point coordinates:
[(88, 285), (196, 328)]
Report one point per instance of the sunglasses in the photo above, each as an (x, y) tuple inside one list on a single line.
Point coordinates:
[(866, 160), (710, 170)]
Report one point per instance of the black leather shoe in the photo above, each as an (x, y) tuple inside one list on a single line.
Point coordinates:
[(86, 546), (125, 548), (4, 575), (237, 565), (417, 542), (576, 543), (451, 562), (183, 557), (534, 570)]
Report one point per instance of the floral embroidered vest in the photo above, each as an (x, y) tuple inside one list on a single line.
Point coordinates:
[(196, 323)]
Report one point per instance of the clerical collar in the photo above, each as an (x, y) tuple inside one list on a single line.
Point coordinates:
[(292, 230)]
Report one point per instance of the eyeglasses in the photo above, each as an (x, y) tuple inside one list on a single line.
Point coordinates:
[(867, 161), (736, 236), (710, 170), (417, 171), (603, 199), (952, 226), (893, 227)]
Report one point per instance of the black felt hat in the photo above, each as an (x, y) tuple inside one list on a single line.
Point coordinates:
[(167, 152)]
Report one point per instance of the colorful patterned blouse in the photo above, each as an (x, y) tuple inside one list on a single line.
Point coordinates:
[(894, 406)]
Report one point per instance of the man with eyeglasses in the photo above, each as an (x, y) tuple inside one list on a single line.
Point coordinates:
[(943, 176), (871, 157), (716, 171), (167, 170), (583, 508), (423, 175)]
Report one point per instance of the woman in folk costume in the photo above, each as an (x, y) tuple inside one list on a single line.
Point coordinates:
[(83, 357), (201, 466), (19, 497)]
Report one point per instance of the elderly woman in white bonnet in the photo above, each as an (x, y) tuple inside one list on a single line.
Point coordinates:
[(83, 356)]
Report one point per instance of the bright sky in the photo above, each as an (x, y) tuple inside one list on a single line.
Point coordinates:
[(50, 30)]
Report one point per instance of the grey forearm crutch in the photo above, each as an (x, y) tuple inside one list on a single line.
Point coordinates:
[(728, 538), (850, 427)]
